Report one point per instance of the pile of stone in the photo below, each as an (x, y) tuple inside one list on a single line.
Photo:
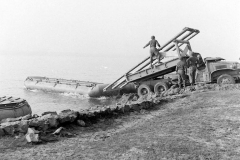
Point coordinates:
[(31, 125), (174, 90)]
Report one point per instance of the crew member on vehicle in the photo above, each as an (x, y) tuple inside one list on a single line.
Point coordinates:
[(192, 63), (201, 65), (153, 50), (181, 70)]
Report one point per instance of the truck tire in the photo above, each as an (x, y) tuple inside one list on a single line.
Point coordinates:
[(160, 87), (225, 79), (143, 89)]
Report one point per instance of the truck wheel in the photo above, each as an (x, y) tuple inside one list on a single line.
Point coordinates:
[(143, 89), (225, 79), (160, 87)]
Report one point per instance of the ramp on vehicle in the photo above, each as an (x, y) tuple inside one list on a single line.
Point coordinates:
[(142, 71)]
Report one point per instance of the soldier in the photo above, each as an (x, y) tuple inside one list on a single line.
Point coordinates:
[(201, 65), (181, 71), (153, 50), (192, 63)]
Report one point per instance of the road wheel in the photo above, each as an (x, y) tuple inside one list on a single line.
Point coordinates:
[(225, 79), (143, 89), (160, 87)]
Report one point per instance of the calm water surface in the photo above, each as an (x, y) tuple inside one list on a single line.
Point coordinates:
[(14, 69)]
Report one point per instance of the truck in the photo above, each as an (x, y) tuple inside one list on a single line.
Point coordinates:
[(142, 78), (163, 76), (214, 70)]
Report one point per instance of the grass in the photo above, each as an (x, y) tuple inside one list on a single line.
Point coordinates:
[(200, 126)]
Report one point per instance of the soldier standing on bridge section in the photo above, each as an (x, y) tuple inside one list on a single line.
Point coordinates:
[(192, 63), (153, 50), (181, 70)]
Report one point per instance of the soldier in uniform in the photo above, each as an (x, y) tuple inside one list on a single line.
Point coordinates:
[(192, 63), (153, 50), (181, 71)]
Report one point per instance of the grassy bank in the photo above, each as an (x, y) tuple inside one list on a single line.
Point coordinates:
[(200, 126)]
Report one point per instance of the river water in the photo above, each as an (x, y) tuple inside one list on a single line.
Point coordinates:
[(14, 69)]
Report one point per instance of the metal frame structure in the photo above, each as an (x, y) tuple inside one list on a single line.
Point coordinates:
[(140, 72)]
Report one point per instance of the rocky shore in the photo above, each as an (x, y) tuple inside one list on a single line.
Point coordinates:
[(200, 122), (36, 128)]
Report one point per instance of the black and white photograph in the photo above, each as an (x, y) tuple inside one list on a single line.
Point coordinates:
[(119, 80)]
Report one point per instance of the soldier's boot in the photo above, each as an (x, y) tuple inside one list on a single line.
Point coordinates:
[(184, 84)]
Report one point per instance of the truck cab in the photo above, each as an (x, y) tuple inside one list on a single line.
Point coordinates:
[(217, 70), (158, 79)]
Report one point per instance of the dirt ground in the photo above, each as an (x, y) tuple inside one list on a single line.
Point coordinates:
[(199, 126)]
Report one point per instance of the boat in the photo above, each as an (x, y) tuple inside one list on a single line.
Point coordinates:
[(11, 107), (91, 89)]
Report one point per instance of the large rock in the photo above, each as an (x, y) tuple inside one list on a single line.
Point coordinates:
[(135, 107), (189, 89), (107, 110), (150, 97), (67, 116), (95, 112), (176, 91), (83, 113), (128, 97), (182, 91), (32, 135), (45, 122), (8, 130), (16, 119), (10, 120), (35, 116), (144, 105), (91, 114), (113, 108), (15, 127), (51, 119), (10, 127), (23, 126), (127, 108), (39, 123), (171, 92), (103, 110), (81, 123), (1, 132), (49, 112), (27, 117), (122, 108)]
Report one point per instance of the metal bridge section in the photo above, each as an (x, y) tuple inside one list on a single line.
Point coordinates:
[(142, 72)]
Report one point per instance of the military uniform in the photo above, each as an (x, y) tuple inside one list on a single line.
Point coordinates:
[(181, 71), (153, 50), (192, 65)]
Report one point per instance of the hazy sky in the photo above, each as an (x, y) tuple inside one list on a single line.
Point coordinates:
[(117, 27)]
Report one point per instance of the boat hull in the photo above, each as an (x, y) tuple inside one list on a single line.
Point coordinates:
[(11, 107), (97, 91)]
